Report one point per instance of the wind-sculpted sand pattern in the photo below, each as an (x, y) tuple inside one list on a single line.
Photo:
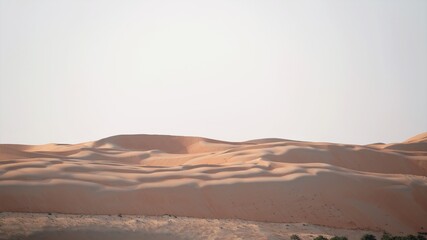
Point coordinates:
[(376, 187)]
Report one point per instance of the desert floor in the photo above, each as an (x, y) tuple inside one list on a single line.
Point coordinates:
[(66, 226)]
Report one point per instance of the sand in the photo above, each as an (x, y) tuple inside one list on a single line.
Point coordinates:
[(104, 227), (378, 187)]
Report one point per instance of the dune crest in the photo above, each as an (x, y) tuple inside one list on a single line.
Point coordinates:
[(376, 187)]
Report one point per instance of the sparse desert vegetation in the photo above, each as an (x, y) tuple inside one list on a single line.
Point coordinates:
[(320, 237), (368, 237), (295, 237), (388, 236), (339, 238), (385, 236)]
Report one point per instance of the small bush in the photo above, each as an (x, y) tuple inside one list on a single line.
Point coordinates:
[(421, 237), (320, 237), (368, 237), (386, 236), (339, 238), (295, 237)]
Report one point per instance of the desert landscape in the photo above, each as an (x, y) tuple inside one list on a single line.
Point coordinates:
[(213, 120), (182, 184)]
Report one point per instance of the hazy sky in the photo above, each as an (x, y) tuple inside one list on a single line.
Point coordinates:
[(338, 71)]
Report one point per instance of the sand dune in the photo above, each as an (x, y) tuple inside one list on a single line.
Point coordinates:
[(376, 187)]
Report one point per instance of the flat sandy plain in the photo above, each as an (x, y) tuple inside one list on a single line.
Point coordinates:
[(134, 227), (264, 185)]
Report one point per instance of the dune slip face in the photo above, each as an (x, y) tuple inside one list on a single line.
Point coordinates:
[(378, 187)]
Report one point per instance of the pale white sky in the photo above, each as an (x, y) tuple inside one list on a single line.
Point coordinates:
[(332, 70)]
